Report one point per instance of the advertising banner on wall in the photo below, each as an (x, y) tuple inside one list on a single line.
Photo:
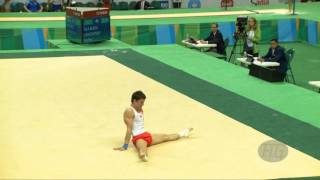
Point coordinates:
[(191, 3), (235, 3)]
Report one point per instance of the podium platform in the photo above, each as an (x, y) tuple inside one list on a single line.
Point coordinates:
[(87, 25)]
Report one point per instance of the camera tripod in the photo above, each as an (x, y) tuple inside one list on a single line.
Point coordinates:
[(240, 38)]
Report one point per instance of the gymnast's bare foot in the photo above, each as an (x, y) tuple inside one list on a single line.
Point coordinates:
[(185, 132)]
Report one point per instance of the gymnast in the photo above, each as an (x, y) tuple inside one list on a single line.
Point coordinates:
[(133, 118)]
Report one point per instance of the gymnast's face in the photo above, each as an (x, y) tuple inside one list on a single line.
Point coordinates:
[(138, 103)]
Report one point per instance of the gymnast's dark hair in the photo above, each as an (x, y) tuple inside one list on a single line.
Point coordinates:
[(137, 96)]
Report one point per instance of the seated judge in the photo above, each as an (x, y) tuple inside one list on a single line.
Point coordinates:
[(142, 5), (276, 53), (215, 37)]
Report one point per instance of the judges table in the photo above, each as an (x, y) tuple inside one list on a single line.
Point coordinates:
[(263, 70), (315, 84), (199, 45)]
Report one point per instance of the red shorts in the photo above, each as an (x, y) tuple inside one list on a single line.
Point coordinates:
[(145, 136)]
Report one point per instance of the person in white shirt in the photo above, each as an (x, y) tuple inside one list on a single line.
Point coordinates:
[(134, 120), (253, 36), (6, 5)]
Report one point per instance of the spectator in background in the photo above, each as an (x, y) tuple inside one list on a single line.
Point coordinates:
[(176, 3), (71, 3), (194, 4), (215, 37), (6, 5), (33, 6), (253, 37), (290, 5), (142, 4), (57, 5)]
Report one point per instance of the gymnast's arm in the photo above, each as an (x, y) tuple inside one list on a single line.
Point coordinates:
[(128, 117)]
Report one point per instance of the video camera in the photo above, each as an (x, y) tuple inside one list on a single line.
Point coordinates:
[(241, 24)]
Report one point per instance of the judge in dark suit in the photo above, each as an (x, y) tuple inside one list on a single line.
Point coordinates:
[(216, 37), (142, 4), (277, 53)]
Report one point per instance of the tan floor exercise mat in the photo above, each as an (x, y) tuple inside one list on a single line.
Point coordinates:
[(61, 117)]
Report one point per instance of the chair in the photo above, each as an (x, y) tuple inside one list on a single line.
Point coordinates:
[(90, 4), (99, 4), (224, 55), (114, 6), (156, 4), (17, 7), (20, 7), (45, 7), (290, 55), (123, 5), (132, 5), (79, 4), (13, 7), (226, 44)]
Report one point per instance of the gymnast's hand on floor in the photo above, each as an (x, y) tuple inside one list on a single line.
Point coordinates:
[(119, 149)]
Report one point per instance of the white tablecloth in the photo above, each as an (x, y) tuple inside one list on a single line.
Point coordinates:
[(266, 64), (258, 63), (244, 61), (199, 45), (315, 83)]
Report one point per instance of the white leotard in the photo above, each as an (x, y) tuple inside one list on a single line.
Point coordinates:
[(138, 123)]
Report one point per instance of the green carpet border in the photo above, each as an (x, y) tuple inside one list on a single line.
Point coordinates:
[(301, 178)]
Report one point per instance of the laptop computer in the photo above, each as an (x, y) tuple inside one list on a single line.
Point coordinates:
[(250, 58), (192, 40)]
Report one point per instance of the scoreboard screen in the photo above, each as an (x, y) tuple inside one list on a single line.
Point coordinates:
[(96, 29), (73, 26)]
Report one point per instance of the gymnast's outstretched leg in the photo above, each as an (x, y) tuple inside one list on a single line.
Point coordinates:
[(161, 138)]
